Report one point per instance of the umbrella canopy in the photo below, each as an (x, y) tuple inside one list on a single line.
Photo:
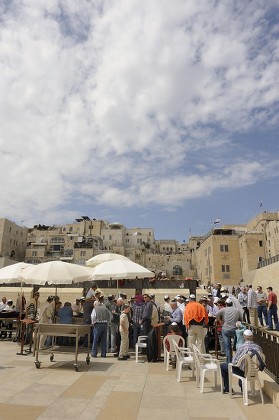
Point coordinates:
[(101, 258), (11, 273), (120, 269), (55, 272)]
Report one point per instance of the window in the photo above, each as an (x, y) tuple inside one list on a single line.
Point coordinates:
[(34, 253), (177, 270), (127, 240), (260, 259), (260, 243), (225, 268), (82, 253), (224, 248), (57, 240)]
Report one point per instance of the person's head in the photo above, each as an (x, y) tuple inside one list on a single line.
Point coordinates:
[(259, 289), (126, 309), (167, 298), (203, 301), (221, 303), (152, 297), (36, 295), (4, 299), (96, 303), (173, 304), (218, 286), (269, 289), (248, 335), (10, 302), (94, 287), (229, 302), (174, 328), (58, 305), (238, 324), (110, 298), (192, 298), (146, 297), (119, 301), (50, 299), (77, 301), (67, 304)]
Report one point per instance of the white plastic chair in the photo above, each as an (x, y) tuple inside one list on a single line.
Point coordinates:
[(206, 363), (141, 344), (184, 357), (171, 352), (251, 372)]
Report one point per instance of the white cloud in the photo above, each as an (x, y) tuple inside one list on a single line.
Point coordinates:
[(108, 100)]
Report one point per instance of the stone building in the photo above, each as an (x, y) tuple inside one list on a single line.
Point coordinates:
[(13, 240)]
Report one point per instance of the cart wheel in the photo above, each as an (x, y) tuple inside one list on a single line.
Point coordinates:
[(87, 360), (38, 365), (51, 358)]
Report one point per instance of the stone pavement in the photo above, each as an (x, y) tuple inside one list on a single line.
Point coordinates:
[(110, 389)]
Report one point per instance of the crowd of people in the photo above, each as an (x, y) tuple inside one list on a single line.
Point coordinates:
[(117, 322)]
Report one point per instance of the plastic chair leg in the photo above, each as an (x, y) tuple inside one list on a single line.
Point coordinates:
[(178, 370), (245, 392), (202, 380)]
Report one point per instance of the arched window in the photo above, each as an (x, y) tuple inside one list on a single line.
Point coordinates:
[(177, 270)]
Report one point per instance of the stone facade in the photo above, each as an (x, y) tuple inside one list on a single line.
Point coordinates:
[(13, 240), (228, 254)]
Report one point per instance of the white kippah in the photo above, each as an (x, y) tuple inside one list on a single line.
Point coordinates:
[(248, 333)]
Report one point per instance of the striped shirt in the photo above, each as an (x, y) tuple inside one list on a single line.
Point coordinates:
[(252, 301), (137, 311), (244, 349)]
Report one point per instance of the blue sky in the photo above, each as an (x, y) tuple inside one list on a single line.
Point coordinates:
[(153, 114)]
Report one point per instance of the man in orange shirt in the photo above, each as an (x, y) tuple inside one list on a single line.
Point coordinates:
[(195, 319)]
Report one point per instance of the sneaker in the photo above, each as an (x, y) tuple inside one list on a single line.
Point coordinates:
[(116, 355), (122, 358), (127, 356)]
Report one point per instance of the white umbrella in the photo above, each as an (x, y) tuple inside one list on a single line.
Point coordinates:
[(120, 269), (10, 273), (101, 258), (55, 272)]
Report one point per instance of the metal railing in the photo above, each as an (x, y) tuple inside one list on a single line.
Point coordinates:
[(268, 261), (269, 343)]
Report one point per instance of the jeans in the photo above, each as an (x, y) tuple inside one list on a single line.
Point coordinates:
[(246, 315), (262, 311), (100, 331), (228, 336), (111, 336), (225, 374), (137, 331), (272, 312)]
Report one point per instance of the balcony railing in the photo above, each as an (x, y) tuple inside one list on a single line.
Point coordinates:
[(269, 261)]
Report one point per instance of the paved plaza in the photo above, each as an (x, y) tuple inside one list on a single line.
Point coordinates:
[(110, 389)]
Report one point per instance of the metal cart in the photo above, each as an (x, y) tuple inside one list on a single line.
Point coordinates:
[(61, 330)]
